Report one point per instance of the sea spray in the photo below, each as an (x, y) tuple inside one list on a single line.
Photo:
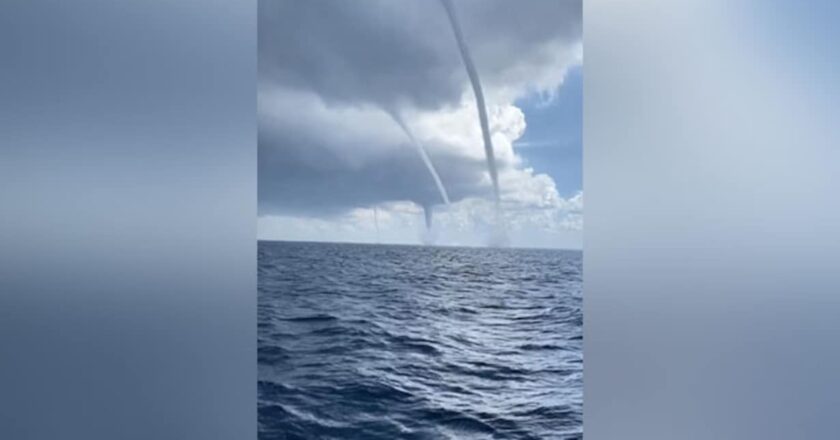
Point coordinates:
[(479, 95)]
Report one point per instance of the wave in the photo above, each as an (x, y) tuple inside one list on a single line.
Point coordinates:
[(383, 342)]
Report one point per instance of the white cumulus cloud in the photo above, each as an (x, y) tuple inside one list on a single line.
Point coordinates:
[(331, 70)]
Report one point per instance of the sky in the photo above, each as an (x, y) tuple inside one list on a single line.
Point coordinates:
[(335, 165)]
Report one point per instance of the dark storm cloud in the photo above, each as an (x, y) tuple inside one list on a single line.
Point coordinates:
[(356, 52), (380, 54), (299, 174)]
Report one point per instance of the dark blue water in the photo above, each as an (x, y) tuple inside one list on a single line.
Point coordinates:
[(393, 342)]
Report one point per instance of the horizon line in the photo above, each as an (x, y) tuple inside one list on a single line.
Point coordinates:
[(420, 245)]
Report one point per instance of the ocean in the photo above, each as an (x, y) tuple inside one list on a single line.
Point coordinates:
[(413, 342)]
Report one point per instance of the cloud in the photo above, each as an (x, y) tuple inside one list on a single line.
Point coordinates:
[(391, 53), (330, 70), (559, 224)]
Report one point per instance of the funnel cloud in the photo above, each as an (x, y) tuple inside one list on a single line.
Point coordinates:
[(479, 94), (367, 115), (424, 155)]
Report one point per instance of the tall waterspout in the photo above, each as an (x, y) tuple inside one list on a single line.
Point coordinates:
[(397, 117), (479, 95)]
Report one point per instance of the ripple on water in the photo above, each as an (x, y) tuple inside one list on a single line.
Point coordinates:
[(389, 342)]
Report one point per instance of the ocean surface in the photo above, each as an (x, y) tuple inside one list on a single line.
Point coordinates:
[(412, 342)]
